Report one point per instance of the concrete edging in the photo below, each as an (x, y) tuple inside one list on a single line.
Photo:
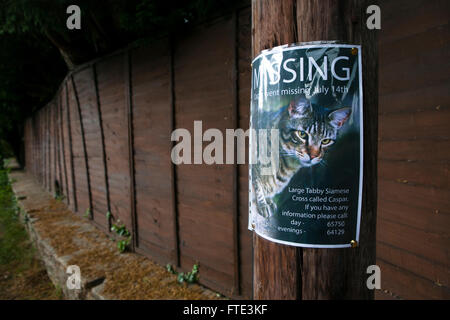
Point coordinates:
[(42, 216)]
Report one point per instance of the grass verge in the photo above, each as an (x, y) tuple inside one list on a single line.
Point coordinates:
[(22, 275)]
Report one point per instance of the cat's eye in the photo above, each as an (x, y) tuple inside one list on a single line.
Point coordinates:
[(326, 142), (302, 134)]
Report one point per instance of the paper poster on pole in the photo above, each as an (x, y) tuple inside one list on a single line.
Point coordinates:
[(306, 145)]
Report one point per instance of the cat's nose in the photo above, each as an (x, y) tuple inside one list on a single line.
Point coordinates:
[(313, 152)]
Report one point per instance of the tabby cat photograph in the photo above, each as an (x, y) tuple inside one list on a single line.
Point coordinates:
[(306, 133)]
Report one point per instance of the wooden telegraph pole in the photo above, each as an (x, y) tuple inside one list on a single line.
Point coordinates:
[(286, 272)]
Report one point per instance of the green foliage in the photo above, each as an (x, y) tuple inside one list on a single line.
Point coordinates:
[(122, 245), (109, 217), (37, 47), (13, 235), (30, 72), (5, 152), (58, 195), (188, 277), (87, 213), (20, 270), (122, 231), (21, 16), (59, 293), (170, 268)]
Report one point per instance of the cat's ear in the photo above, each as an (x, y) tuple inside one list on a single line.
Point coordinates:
[(339, 116), (299, 108)]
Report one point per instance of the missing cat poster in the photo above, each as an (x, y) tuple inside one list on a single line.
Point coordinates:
[(306, 145)]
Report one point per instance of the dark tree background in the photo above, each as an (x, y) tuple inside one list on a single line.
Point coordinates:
[(37, 49)]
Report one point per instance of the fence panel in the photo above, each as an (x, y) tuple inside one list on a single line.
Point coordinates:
[(105, 138)]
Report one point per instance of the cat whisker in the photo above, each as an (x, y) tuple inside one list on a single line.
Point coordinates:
[(323, 163), (287, 154)]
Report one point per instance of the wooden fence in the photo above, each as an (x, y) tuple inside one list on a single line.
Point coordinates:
[(414, 150), (105, 140)]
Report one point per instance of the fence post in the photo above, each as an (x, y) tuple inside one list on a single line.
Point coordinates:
[(57, 145), (284, 272), (48, 147), (129, 109), (102, 135), (173, 171), (61, 127), (72, 168), (86, 160)]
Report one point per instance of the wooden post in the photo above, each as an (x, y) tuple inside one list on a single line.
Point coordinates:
[(38, 150), (41, 141), (173, 171), (61, 124), (47, 151), (285, 272), (57, 143), (83, 140), (72, 168), (235, 119), (102, 135), (129, 108)]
